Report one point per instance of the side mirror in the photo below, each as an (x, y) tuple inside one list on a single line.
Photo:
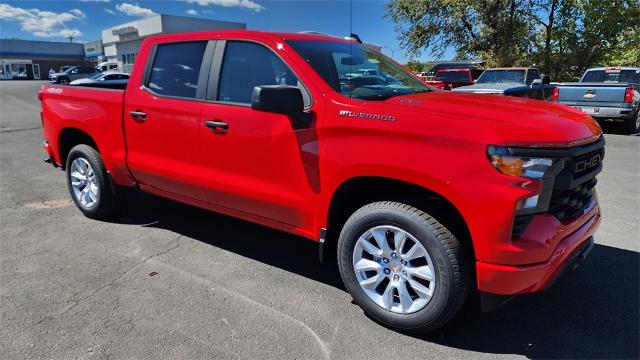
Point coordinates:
[(546, 79), (281, 99)]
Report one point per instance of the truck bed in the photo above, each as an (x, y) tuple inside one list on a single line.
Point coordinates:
[(94, 111)]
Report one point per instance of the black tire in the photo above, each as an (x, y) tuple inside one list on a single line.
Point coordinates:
[(105, 204), (450, 263), (632, 124)]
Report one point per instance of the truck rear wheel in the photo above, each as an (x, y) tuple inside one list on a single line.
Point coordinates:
[(89, 183), (402, 267), (632, 124)]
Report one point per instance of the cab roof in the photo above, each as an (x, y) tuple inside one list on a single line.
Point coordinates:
[(253, 34)]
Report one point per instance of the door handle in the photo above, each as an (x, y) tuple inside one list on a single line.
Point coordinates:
[(138, 116), (217, 126)]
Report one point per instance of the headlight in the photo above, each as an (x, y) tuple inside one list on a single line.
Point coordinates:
[(532, 168), (543, 170)]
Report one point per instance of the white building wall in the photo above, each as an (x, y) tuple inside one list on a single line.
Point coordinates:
[(121, 48)]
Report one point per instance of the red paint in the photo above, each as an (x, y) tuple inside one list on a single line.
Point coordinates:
[(263, 171)]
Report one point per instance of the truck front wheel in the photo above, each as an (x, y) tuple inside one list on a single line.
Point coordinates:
[(89, 183), (403, 267)]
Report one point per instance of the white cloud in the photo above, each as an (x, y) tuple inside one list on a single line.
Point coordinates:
[(134, 10), (207, 11), (247, 4), (192, 12), (110, 11), (78, 13), (43, 23)]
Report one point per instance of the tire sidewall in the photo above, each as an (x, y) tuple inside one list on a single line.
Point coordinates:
[(443, 269), (104, 191)]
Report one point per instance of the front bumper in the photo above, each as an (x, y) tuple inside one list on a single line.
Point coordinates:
[(571, 239), (607, 112)]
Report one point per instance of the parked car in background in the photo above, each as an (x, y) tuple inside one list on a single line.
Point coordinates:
[(607, 94), (107, 66), (109, 79), (448, 79), (430, 75), (514, 81), (264, 131), (422, 75), (73, 73)]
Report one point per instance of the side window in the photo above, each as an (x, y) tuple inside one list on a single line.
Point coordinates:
[(246, 65), (532, 75), (176, 68)]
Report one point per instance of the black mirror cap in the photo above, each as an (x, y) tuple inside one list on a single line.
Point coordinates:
[(281, 99)]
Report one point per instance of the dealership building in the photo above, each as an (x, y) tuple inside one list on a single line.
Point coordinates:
[(25, 59), (121, 43), (29, 60)]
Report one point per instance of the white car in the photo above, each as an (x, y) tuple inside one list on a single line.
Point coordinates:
[(109, 79)]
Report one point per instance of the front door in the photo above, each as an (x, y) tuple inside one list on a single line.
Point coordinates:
[(162, 120), (254, 162)]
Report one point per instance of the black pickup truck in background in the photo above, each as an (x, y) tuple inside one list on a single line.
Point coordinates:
[(607, 94)]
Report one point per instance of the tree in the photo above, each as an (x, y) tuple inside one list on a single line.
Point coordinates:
[(493, 29), (563, 37), (415, 66)]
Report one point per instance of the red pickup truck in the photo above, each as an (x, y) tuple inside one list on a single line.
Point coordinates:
[(422, 195), (447, 79)]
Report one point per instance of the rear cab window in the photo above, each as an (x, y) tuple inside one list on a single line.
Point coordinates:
[(175, 69), (612, 76)]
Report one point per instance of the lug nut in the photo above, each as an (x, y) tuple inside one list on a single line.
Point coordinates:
[(385, 260), (387, 271), (396, 277), (393, 255), (403, 262), (404, 272)]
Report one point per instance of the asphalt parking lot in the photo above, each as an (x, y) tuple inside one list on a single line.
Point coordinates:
[(167, 280)]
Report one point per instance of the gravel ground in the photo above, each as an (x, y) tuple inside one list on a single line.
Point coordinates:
[(171, 281)]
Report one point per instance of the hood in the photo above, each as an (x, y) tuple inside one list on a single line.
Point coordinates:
[(521, 122), (488, 87)]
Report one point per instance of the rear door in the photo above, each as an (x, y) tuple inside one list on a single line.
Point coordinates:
[(255, 162), (162, 118)]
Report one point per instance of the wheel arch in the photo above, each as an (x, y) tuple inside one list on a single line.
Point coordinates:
[(355, 192), (70, 137)]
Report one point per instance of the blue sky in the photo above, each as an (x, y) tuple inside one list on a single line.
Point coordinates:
[(54, 20)]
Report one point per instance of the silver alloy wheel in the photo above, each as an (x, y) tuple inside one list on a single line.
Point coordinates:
[(394, 269), (83, 183)]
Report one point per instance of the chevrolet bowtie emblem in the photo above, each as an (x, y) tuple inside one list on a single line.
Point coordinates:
[(589, 95)]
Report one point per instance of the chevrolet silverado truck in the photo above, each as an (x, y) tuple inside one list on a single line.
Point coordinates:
[(422, 195), (520, 82), (607, 94)]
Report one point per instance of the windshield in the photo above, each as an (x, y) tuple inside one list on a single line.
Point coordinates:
[(357, 71), (452, 76), (502, 76), (69, 69), (623, 76)]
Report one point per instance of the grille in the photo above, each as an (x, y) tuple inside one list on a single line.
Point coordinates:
[(568, 204)]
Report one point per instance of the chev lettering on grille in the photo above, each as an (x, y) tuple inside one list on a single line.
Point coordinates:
[(363, 115), (587, 164)]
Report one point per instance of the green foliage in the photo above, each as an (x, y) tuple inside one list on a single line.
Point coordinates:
[(415, 66), (563, 37)]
